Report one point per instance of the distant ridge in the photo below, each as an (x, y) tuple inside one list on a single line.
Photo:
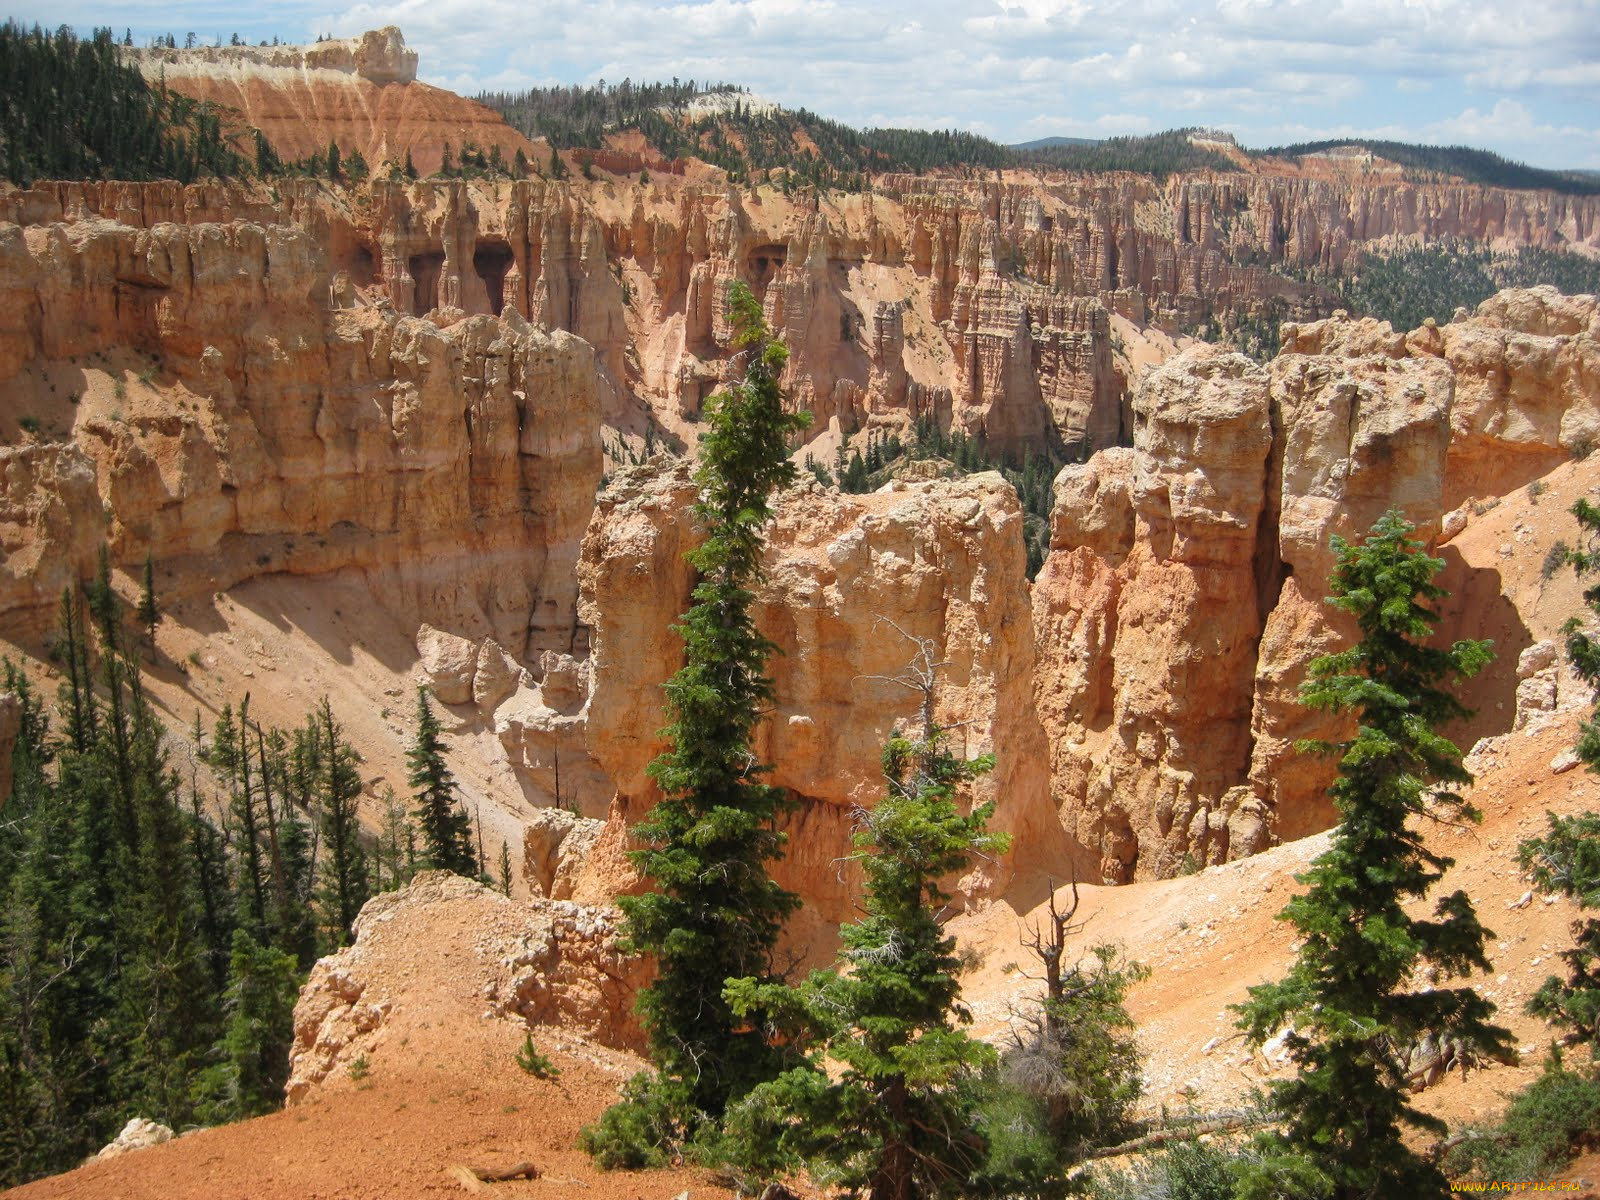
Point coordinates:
[(1046, 143), (1464, 162)]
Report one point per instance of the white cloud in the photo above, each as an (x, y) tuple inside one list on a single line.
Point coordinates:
[(1465, 70)]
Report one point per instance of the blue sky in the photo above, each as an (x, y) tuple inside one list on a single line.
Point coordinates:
[(1522, 80)]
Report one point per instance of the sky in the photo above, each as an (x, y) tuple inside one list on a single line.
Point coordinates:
[(1522, 80)]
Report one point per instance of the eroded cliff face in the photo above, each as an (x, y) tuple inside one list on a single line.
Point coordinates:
[(1182, 599), (360, 93), (239, 388), (221, 411), (851, 583)]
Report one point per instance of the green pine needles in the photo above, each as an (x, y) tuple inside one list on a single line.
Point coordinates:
[(443, 823), (716, 914), (1353, 1003), (1567, 858), (896, 1117)]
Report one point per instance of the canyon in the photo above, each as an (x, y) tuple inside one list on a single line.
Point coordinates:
[(244, 390), (441, 432)]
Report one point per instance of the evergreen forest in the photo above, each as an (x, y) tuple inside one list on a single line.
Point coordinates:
[(160, 909), (72, 109)]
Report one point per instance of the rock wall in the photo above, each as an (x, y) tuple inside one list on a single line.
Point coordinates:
[(849, 582), (230, 418), (1182, 599), (983, 304)]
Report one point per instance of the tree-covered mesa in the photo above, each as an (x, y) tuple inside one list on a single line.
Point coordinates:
[(72, 109), (738, 133), (1351, 1006), (1442, 163), (159, 912)]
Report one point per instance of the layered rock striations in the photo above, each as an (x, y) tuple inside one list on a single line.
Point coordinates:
[(852, 585), (357, 93), (412, 383), (1182, 600), (232, 417)]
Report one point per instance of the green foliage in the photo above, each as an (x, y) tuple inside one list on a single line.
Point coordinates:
[(149, 612), (1187, 1170), (1567, 858), (71, 109), (1546, 1123), (535, 1063), (106, 1001), (1347, 1003), (345, 887), (807, 149), (1555, 558), (717, 914), (1409, 286), (395, 857), (1078, 1058), (1583, 648), (1157, 154), (897, 1116), (443, 824), (1434, 163), (263, 985), (150, 960), (632, 1135)]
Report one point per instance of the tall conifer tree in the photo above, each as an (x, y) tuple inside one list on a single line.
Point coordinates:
[(716, 914), (446, 831), (1349, 1003)]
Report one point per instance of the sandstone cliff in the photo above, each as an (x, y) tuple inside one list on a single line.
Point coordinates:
[(318, 386), (360, 93), (1182, 599), (850, 582), (220, 409)]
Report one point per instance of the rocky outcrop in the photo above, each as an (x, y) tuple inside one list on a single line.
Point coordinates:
[(229, 419), (556, 847), (140, 1133), (1523, 367), (444, 949), (1147, 618), (850, 583), (1182, 600), (360, 93)]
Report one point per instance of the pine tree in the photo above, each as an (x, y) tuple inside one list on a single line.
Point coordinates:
[(896, 1118), (149, 613), (446, 832), (344, 886), (263, 985), (505, 867), (1567, 858), (716, 914), (1348, 1002), (332, 159)]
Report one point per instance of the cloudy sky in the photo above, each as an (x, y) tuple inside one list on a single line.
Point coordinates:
[(1521, 79)]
